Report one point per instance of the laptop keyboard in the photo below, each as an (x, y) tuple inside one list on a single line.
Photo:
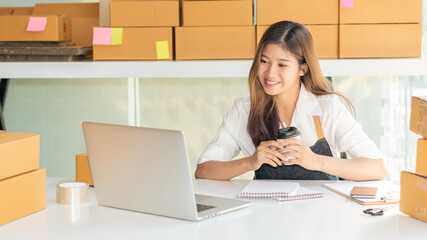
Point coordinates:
[(201, 207)]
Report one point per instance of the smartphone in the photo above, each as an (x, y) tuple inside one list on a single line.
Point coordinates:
[(363, 192)]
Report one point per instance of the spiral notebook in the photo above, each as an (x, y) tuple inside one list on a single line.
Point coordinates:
[(301, 194), (268, 189)]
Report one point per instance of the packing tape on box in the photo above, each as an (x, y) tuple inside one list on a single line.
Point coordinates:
[(72, 193), (422, 183), (420, 211), (422, 119)]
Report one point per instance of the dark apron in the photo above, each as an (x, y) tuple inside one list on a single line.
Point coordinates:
[(296, 172)]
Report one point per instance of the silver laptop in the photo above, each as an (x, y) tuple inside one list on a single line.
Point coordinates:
[(147, 170)]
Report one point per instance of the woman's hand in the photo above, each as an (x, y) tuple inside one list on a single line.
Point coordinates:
[(302, 153), (267, 152)]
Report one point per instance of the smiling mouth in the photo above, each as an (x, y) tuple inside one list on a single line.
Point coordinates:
[(270, 83)]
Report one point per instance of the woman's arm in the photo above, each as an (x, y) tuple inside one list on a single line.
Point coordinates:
[(218, 170), (267, 152), (357, 169)]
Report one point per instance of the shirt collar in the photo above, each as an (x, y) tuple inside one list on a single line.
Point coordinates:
[(307, 103)]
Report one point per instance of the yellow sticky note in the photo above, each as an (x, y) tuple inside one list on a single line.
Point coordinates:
[(162, 49), (116, 36)]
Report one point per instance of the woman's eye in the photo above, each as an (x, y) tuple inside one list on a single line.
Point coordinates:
[(263, 61), (282, 66)]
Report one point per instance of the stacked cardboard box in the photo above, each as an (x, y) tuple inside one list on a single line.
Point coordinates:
[(22, 182), (16, 10), (413, 186), (83, 173), (325, 38), (320, 18), (215, 30), (48, 32), (143, 30), (222, 29), (84, 16), (18, 28), (381, 28)]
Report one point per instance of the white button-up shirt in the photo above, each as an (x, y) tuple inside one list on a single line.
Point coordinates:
[(341, 130)]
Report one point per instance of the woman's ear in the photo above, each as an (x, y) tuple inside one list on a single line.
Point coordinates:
[(303, 69)]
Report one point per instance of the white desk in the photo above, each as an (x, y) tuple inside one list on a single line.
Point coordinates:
[(333, 217)]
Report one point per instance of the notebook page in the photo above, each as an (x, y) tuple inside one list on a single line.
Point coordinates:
[(265, 189)]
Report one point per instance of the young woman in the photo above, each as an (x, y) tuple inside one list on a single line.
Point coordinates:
[(287, 89)]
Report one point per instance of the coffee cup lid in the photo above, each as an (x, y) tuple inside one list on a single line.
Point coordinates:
[(288, 132)]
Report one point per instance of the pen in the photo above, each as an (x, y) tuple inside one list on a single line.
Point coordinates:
[(390, 197)]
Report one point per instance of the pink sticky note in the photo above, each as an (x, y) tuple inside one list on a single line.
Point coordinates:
[(101, 36), (346, 3), (37, 24)]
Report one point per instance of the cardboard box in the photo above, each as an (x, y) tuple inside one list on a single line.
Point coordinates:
[(14, 28), (104, 12), (418, 122), (413, 195), (421, 164), (83, 173), (84, 16), (215, 42), (382, 11), (325, 38), (138, 44), (19, 153), (144, 13), (302, 11), (217, 13), (22, 195), (16, 11), (380, 40)]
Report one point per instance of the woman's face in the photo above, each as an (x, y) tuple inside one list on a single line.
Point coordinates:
[(279, 71)]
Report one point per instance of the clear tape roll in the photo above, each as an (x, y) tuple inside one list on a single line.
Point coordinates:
[(72, 193)]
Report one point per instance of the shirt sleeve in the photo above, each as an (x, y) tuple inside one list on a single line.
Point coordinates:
[(350, 136), (223, 147)]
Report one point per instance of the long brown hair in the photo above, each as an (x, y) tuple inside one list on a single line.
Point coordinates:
[(263, 120)]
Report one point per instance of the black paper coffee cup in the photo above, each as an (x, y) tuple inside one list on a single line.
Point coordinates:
[(287, 133)]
